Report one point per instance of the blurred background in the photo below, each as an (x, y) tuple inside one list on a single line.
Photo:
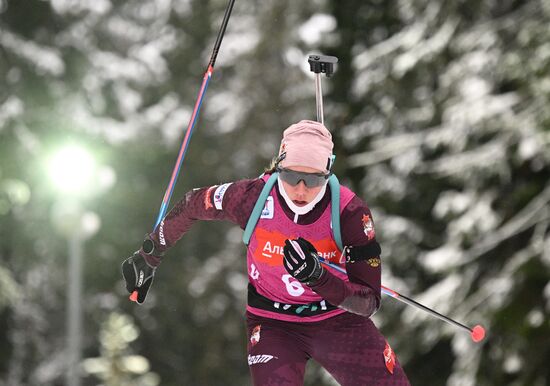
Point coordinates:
[(439, 112)]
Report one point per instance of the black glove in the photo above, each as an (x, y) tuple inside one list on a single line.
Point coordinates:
[(138, 276), (302, 261)]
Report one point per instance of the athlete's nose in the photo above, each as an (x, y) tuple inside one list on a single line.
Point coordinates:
[(301, 188)]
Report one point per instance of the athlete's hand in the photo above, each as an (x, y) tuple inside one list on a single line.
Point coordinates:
[(302, 261), (138, 276)]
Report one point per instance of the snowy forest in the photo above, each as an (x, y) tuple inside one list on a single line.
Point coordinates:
[(440, 115)]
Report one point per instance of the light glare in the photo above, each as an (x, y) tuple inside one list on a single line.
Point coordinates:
[(71, 170)]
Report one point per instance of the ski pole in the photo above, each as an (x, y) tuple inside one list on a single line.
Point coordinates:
[(193, 119), (191, 124), (477, 333)]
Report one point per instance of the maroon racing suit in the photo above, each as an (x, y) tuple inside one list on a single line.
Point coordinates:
[(346, 344)]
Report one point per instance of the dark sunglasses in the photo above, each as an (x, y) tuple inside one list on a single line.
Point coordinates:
[(311, 180)]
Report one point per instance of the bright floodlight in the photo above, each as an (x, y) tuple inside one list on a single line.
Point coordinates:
[(71, 170)]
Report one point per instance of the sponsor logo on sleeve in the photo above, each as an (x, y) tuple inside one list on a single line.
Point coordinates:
[(257, 359), (218, 195), (268, 210), (161, 233)]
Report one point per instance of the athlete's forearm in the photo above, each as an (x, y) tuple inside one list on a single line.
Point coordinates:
[(195, 205), (352, 297)]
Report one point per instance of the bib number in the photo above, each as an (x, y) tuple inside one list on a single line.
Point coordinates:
[(293, 286)]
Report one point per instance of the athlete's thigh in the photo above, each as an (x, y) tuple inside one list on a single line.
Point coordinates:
[(352, 349), (276, 355)]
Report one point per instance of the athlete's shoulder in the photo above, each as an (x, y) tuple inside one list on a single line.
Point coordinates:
[(237, 191), (346, 195)]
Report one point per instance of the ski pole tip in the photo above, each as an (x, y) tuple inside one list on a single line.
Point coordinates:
[(478, 333), (133, 297)]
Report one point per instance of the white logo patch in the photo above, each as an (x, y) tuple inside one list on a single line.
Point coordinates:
[(161, 233), (268, 210), (262, 358), (218, 195)]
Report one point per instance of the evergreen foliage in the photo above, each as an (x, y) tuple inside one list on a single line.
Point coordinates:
[(439, 114)]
